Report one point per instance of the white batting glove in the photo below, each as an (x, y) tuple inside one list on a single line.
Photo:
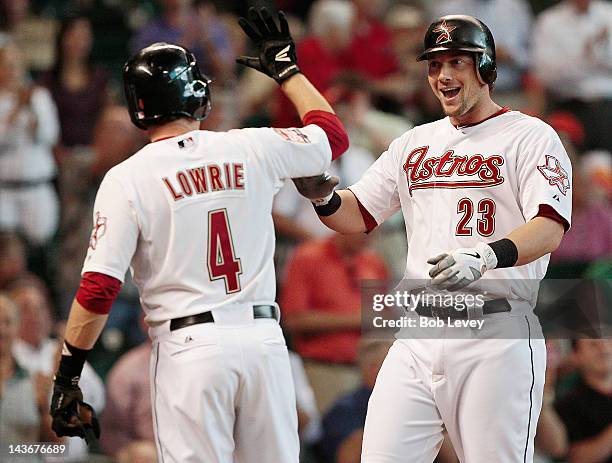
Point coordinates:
[(461, 267)]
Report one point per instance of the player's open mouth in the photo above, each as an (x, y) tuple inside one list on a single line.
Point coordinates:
[(450, 92)]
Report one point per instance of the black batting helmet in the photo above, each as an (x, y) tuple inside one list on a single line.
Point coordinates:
[(463, 33), (162, 83)]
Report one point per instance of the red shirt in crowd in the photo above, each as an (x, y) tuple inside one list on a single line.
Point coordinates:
[(370, 52), (320, 278)]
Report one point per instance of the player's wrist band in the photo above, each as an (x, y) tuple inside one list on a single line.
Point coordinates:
[(331, 207), (506, 252), (72, 362)]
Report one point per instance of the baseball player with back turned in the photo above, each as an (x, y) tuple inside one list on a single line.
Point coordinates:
[(190, 214), (486, 195)]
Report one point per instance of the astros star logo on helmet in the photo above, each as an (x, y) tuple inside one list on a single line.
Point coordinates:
[(445, 32), (555, 174)]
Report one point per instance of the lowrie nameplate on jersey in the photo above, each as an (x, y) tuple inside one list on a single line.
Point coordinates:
[(209, 178)]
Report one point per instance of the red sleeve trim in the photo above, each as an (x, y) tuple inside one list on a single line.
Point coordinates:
[(370, 222), (545, 210), (333, 128), (97, 292)]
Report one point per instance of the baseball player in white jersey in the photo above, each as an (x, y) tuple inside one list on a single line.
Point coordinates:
[(190, 215), (486, 194)]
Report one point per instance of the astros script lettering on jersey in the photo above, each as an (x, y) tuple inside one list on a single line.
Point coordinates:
[(484, 170), (208, 178)]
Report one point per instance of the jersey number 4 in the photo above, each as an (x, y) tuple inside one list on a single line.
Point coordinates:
[(222, 261), (485, 224)]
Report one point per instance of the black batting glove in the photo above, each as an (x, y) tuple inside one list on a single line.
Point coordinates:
[(71, 416), (277, 57)]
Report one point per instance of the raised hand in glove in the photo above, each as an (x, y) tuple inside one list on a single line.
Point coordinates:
[(277, 57), (71, 416), (318, 188), (461, 267)]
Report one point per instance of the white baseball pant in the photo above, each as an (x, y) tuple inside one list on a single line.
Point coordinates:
[(486, 391), (223, 392)]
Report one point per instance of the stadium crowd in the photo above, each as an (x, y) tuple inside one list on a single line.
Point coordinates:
[(63, 125)]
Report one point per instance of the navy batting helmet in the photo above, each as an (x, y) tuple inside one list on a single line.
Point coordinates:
[(463, 33), (162, 83)]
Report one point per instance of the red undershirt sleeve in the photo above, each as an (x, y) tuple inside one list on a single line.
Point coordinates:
[(370, 222), (545, 210), (333, 128), (97, 292)]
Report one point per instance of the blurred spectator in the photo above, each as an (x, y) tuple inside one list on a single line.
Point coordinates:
[(239, 41), (112, 26), (28, 130), (34, 349), (13, 261), (322, 309), (510, 22), (127, 418), (597, 167), (309, 419), (405, 91), (80, 89), (24, 399), (195, 25), (321, 52), (572, 58), (368, 127), (370, 53), (226, 114), (551, 435), (32, 34), (590, 237), (587, 409), (343, 423)]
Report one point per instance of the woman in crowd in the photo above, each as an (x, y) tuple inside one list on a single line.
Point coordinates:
[(79, 88), (28, 131)]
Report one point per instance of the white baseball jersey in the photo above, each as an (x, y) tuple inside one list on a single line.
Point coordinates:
[(458, 186), (191, 216)]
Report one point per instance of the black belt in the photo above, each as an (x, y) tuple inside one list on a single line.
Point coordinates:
[(489, 307), (259, 311)]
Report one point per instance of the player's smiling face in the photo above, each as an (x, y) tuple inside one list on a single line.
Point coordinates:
[(452, 77)]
